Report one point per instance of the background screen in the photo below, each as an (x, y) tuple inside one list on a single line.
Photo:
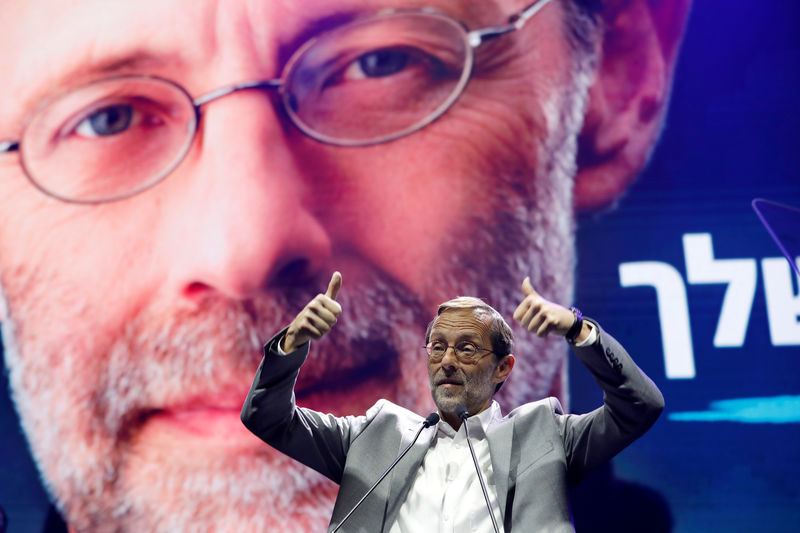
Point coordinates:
[(685, 275)]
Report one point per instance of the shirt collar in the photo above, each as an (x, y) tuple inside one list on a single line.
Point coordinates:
[(478, 424)]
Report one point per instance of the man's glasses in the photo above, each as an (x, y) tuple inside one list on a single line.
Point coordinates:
[(465, 351), (371, 81)]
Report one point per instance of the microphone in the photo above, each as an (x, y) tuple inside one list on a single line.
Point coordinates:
[(462, 413), (431, 420)]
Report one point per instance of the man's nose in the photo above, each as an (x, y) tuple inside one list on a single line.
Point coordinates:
[(246, 207), (449, 359)]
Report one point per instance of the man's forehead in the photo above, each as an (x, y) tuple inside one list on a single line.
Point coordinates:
[(61, 44), (462, 322)]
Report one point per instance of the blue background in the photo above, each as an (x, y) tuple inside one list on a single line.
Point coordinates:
[(731, 135)]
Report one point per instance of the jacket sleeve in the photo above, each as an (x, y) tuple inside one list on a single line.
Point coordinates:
[(320, 441), (631, 405)]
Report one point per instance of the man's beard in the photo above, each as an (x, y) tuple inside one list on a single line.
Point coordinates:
[(474, 388), (82, 401)]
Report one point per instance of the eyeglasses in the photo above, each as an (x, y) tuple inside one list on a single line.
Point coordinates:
[(465, 351), (370, 81)]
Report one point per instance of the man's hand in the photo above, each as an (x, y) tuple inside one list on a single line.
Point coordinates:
[(316, 319), (543, 317)]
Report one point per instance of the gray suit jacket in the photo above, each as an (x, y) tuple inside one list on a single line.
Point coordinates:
[(537, 451)]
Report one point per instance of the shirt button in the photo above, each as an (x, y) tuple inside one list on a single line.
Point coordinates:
[(452, 471)]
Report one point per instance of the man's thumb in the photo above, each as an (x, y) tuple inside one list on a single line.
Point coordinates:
[(527, 288), (334, 286)]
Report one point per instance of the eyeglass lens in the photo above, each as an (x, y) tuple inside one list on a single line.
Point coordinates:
[(465, 351), (108, 139), (379, 78)]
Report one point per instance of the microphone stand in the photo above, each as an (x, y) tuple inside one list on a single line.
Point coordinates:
[(461, 411), (432, 419)]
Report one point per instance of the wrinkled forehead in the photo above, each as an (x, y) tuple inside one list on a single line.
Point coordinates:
[(58, 44), (457, 323)]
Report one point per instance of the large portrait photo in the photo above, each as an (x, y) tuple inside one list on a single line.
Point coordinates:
[(247, 246)]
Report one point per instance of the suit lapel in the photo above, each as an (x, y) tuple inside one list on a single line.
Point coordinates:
[(500, 440), (404, 472)]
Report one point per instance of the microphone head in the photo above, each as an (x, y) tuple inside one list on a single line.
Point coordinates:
[(431, 420), (461, 411)]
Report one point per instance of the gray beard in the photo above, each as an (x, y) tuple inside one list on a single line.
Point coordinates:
[(79, 438)]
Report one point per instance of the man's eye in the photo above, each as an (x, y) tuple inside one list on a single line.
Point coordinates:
[(385, 62), (438, 347), (106, 121), (381, 63), (467, 348)]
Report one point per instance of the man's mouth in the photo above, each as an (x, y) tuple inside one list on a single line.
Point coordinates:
[(201, 420), (207, 419), (341, 380), (449, 382)]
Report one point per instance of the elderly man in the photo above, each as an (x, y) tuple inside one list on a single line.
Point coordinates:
[(529, 456), (173, 178)]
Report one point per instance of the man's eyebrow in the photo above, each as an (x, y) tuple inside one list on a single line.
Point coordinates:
[(138, 61), (317, 25), (78, 73), (462, 336), (71, 77), (471, 337)]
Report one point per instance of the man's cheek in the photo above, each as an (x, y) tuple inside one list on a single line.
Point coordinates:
[(403, 205), (495, 129), (63, 264), (398, 203)]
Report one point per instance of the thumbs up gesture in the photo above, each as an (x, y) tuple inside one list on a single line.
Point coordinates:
[(316, 319), (541, 316)]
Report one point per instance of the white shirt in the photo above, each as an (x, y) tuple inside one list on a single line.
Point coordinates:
[(446, 495)]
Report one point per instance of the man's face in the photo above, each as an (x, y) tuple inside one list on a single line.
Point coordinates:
[(132, 329), (454, 382)]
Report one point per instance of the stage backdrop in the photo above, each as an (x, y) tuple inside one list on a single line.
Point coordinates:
[(684, 273)]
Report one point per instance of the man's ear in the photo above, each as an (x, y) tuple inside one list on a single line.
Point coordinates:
[(628, 98), (503, 368)]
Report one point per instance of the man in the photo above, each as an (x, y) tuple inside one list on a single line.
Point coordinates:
[(153, 230), (532, 454)]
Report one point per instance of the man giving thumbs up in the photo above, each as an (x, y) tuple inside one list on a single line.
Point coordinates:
[(528, 457)]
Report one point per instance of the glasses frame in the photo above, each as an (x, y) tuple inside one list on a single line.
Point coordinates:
[(474, 38), (433, 358)]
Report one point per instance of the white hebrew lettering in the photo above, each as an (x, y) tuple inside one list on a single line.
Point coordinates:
[(783, 304), (739, 274), (673, 312)]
